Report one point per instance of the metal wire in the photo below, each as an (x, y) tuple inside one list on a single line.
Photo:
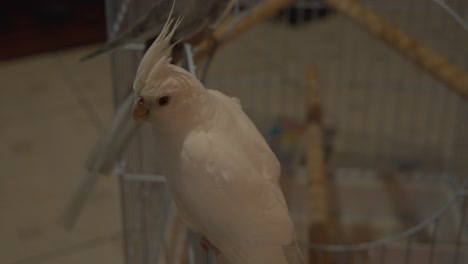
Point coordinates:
[(443, 4), (409, 243), (382, 256), (460, 231), (392, 238)]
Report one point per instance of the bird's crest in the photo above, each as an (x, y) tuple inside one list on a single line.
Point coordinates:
[(158, 55)]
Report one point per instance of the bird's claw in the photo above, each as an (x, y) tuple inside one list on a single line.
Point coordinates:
[(207, 245)]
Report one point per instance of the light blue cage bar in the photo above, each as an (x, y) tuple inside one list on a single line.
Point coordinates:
[(398, 156)]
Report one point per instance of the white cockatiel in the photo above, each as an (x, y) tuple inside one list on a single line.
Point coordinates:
[(221, 172)]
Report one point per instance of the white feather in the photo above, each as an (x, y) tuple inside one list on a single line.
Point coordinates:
[(220, 170), (226, 186)]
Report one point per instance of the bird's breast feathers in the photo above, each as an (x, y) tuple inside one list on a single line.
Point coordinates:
[(227, 182)]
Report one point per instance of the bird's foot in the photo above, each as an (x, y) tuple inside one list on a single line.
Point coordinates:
[(206, 245)]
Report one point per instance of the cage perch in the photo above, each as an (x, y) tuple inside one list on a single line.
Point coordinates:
[(439, 67), (319, 204), (261, 12), (315, 157)]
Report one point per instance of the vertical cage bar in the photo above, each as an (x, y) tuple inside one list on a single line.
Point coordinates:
[(460, 230), (409, 244), (433, 241), (383, 252)]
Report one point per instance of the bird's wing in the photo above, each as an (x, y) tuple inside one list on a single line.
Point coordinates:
[(238, 123), (234, 199)]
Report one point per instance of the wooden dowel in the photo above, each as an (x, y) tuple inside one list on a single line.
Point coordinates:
[(315, 155), (319, 215), (440, 68), (266, 9)]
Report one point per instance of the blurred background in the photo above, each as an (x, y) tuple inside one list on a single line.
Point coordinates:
[(390, 137), (53, 108), (49, 25)]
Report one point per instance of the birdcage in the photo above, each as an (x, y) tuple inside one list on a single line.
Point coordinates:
[(364, 103)]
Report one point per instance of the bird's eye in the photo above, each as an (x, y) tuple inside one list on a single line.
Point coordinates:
[(164, 100)]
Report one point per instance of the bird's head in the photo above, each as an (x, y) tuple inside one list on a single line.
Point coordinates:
[(171, 93), (165, 93)]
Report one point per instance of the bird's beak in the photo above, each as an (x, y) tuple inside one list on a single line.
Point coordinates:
[(139, 111)]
